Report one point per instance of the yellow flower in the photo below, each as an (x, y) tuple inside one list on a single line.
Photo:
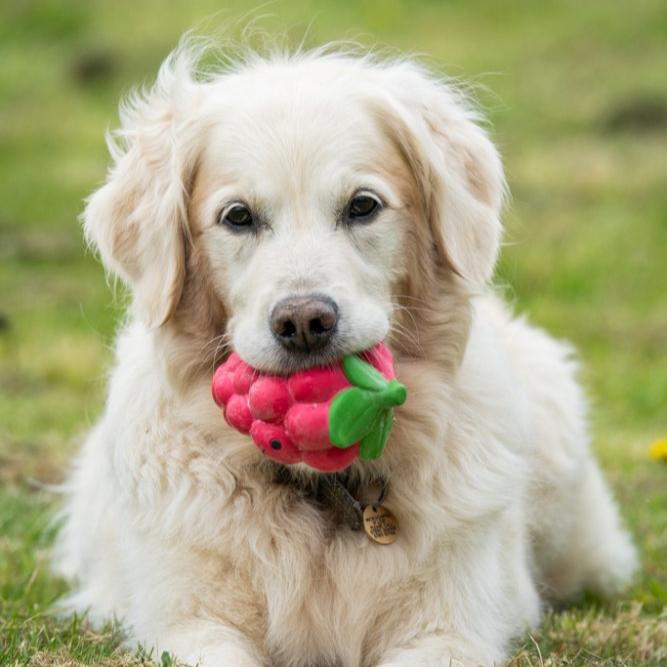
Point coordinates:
[(658, 450)]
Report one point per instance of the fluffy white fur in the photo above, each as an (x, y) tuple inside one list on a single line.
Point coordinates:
[(172, 521)]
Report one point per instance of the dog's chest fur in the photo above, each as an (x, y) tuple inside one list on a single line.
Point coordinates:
[(325, 586)]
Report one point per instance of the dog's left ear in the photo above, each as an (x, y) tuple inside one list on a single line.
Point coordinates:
[(456, 167), (138, 219)]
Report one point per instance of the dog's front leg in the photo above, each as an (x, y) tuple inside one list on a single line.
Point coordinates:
[(210, 644)]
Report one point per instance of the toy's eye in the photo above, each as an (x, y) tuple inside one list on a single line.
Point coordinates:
[(237, 217), (363, 207)]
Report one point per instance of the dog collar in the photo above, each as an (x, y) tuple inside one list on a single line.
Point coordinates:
[(336, 493)]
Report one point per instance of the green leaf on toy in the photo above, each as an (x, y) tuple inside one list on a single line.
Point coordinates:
[(394, 393), (362, 374), (374, 443), (364, 412), (352, 414)]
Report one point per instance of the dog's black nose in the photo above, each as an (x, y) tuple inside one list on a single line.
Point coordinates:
[(304, 323)]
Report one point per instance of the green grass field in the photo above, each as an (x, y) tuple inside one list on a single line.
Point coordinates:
[(577, 95)]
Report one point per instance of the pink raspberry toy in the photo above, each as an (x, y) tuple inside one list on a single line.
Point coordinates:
[(325, 417)]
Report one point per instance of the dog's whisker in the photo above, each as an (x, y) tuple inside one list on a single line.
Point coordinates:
[(216, 346), (403, 331), (222, 339), (414, 329), (410, 314), (417, 309), (411, 297)]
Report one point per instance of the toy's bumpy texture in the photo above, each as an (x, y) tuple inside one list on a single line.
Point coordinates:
[(288, 417)]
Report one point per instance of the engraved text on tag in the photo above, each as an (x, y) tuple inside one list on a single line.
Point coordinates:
[(380, 524)]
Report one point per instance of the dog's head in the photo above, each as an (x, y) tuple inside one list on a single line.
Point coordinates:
[(304, 207)]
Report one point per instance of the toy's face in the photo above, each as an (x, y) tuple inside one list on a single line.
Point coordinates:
[(299, 207)]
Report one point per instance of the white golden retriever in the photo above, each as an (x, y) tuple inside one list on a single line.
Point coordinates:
[(370, 187)]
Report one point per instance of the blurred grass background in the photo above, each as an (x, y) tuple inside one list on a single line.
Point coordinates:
[(577, 95)]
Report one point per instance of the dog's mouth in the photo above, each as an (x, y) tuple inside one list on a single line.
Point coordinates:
[(280, 360), (288, 362)]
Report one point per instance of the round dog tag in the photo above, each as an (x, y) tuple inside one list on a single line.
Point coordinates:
[(380, 524)]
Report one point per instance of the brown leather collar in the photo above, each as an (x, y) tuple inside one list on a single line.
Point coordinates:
[(334, 493)]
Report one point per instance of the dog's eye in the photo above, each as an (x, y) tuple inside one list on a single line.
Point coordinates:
[(237, 216), (363, 207)]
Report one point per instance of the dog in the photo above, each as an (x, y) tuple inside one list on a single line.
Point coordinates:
[(369, 190)]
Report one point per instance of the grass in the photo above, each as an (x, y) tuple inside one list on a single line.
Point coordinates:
[(579, 109)]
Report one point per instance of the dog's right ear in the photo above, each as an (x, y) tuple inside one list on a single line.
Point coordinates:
[(138, 219)]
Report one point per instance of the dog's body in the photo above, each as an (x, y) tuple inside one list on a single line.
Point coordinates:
[(174, 523)]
